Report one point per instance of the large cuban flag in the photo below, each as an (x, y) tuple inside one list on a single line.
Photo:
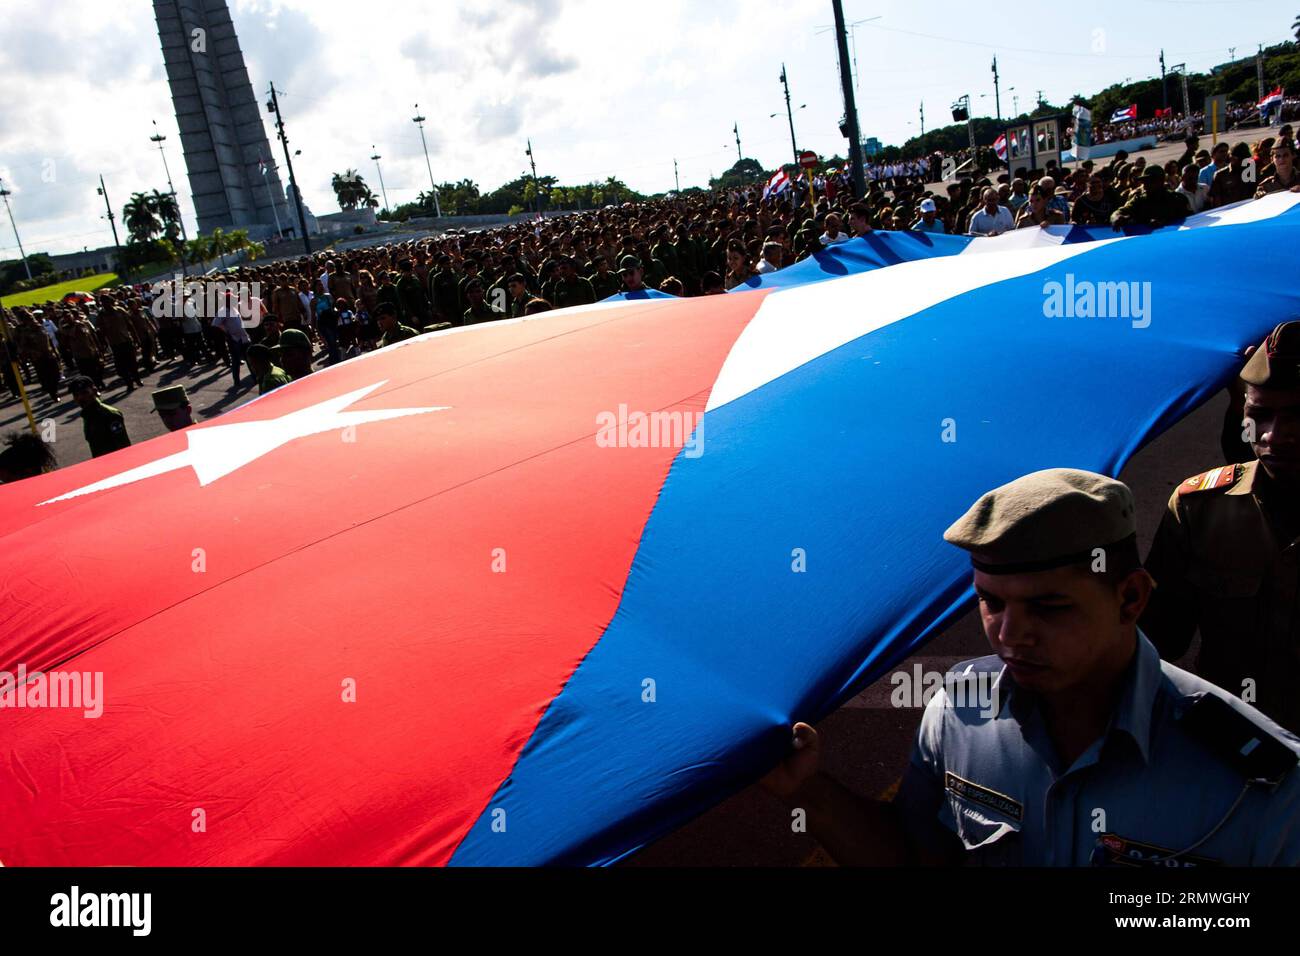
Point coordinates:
[(538, 591)]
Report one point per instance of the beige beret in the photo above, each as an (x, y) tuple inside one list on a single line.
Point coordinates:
[(1045, 520), (1276, 363)]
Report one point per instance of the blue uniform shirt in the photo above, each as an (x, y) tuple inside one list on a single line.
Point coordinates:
[(1145, 789)]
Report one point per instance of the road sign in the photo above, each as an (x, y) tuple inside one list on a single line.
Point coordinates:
[(808, 159)]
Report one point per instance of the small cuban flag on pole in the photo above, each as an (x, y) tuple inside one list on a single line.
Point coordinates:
[(1124, 115), (778, 184), (1270, 102), (1000, 147)]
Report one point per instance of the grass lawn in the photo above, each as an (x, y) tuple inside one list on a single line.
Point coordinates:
[(53, 293)]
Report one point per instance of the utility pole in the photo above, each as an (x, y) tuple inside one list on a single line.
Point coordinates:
[(419, 121), (676, 178), (997, 93), (159, 138), (103, 191), (537, 189), (274, 107), (789, 112), (1164, 90), (739, 154), (1040, 97), (382, 190), (850, 104), (1259, 73), (922, 119), (5, 194)]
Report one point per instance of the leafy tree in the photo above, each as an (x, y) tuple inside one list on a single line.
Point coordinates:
[(140, 218)]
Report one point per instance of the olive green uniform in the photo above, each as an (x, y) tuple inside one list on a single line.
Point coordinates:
[(400, 333), (1227, 562), (1152, 209), (273, 379), (105, 429)]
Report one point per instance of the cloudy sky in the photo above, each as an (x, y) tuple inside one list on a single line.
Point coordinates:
[(603, 87)]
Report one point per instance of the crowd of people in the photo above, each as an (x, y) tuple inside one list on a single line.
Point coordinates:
[(1176, 125), (284, 318)]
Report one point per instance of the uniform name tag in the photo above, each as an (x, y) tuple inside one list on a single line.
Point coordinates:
[(1115, 850), (985, 797)]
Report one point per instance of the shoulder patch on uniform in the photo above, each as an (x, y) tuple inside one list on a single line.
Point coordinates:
[(1223, 477)]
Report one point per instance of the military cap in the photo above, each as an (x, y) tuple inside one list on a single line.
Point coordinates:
[(294, 339), (628, 262), (1046, 520), (170, 399), (259, 351), (79, 383), (1276, 363)]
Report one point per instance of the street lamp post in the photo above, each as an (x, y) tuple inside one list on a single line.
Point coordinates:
[(274, 106), (850, 104), (382, 190), (5, 194), (159, 138), (789, 111), (103, 191), (419, 121)]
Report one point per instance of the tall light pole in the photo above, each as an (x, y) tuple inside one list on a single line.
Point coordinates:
[(5, 194), (274, 106), (103, 191), (739, 154), (382, 190), (850, 104), (419, 121), (159, 138), (789, 112), (677, 178), (923, 119), (1164, 88), (997, 94), (537, 189)]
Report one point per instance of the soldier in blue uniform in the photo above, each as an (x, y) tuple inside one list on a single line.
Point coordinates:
[(1091, 750)]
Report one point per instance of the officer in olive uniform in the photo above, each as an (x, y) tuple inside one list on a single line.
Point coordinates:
[(34, 346), (83, 343), (269, 376), (480, 310), (633, 276), (393, 331), (104, 425), (1074, 745), (570, 288), (1226, 559), (603, 282), (295, 353), (1153, 206), (116, 327), (173, 407)]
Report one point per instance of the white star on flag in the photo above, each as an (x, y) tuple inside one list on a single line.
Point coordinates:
[(216, 451)]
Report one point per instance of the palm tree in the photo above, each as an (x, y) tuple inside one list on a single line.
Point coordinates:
[(141, 222), (168, 210), (351, 189), (1296, 27)]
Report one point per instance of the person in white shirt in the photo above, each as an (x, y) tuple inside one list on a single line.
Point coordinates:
[(773, 257), (228, 320), (991, 219), (1192, 189), (834, 233)]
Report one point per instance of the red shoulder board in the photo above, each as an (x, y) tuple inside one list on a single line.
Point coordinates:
[(1224, 477)]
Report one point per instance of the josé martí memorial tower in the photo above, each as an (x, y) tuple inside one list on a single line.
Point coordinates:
[(224, 142)]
